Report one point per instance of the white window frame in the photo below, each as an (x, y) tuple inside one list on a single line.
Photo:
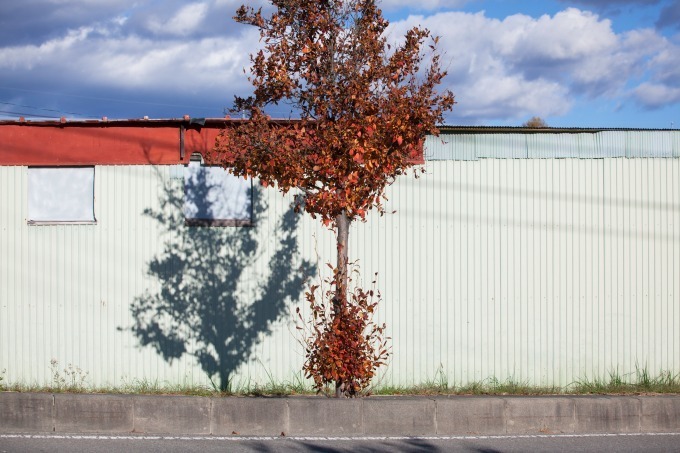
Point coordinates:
[(61, 195), (242, 219)]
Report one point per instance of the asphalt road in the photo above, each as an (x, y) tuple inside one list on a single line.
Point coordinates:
[(205, 444)]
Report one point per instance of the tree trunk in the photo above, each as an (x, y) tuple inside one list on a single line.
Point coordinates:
[(342, 223)]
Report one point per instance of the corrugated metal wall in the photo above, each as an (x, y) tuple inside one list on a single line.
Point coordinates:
[(545, 270), (557, 144)]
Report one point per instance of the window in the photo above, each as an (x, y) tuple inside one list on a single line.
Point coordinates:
[(60, 195), (214, 197)]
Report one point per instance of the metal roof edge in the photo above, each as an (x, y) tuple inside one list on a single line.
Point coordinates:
[(133, 122), (220, 122), (451, 129)]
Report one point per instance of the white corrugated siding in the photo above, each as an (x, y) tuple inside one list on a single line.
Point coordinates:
[(553, 144), (545, 270)]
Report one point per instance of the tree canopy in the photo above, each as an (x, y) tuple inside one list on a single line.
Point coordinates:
[(535, 121), (365, 106)]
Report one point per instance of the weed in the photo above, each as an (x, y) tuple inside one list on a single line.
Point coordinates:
[(643, 379), (473, 388), (665, 382), (512, 387), (438, 385), (298, 385), (72, 380), (440, 381), (275, 388), (154, 387)]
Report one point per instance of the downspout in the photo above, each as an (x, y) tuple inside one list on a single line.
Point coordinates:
[(181, 142)]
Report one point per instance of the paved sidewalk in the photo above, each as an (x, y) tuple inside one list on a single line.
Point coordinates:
[(320, 416)]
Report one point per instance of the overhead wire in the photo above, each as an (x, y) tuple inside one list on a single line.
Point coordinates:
[(279, 111), (106, 99), (36, 115), (60, 112)]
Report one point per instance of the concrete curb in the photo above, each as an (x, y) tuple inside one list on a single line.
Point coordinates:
[(319, 416)]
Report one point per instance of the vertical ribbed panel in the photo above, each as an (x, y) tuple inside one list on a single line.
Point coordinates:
[(649, 144), (501, 146), (451, 146), (545, 270), (554, 145), (611, 144)]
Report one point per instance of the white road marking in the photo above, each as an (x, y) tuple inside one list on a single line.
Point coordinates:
[(319, 438)]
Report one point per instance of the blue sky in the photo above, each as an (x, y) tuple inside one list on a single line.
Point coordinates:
[(589, 63)]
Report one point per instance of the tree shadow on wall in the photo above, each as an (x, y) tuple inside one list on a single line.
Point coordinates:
[(213, 303)]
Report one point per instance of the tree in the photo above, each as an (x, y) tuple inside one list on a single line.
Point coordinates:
[(536, 122), (365, 109)]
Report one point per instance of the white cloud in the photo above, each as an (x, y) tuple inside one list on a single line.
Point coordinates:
[(100, 57), (663, 88), (667, 65), (427, 5), (611, 3), (185, 22), (523, 66), (511, 96), (654, 95), (177, 65), (27, 57), (569, 35), (34, 21)]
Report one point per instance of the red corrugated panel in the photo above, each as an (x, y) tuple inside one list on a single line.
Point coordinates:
[(87, 145), (126, 142)]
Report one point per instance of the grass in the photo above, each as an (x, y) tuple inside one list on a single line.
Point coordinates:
[(73, 380), (145, 387), (637, 383), (642, 382), (491, 386)]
